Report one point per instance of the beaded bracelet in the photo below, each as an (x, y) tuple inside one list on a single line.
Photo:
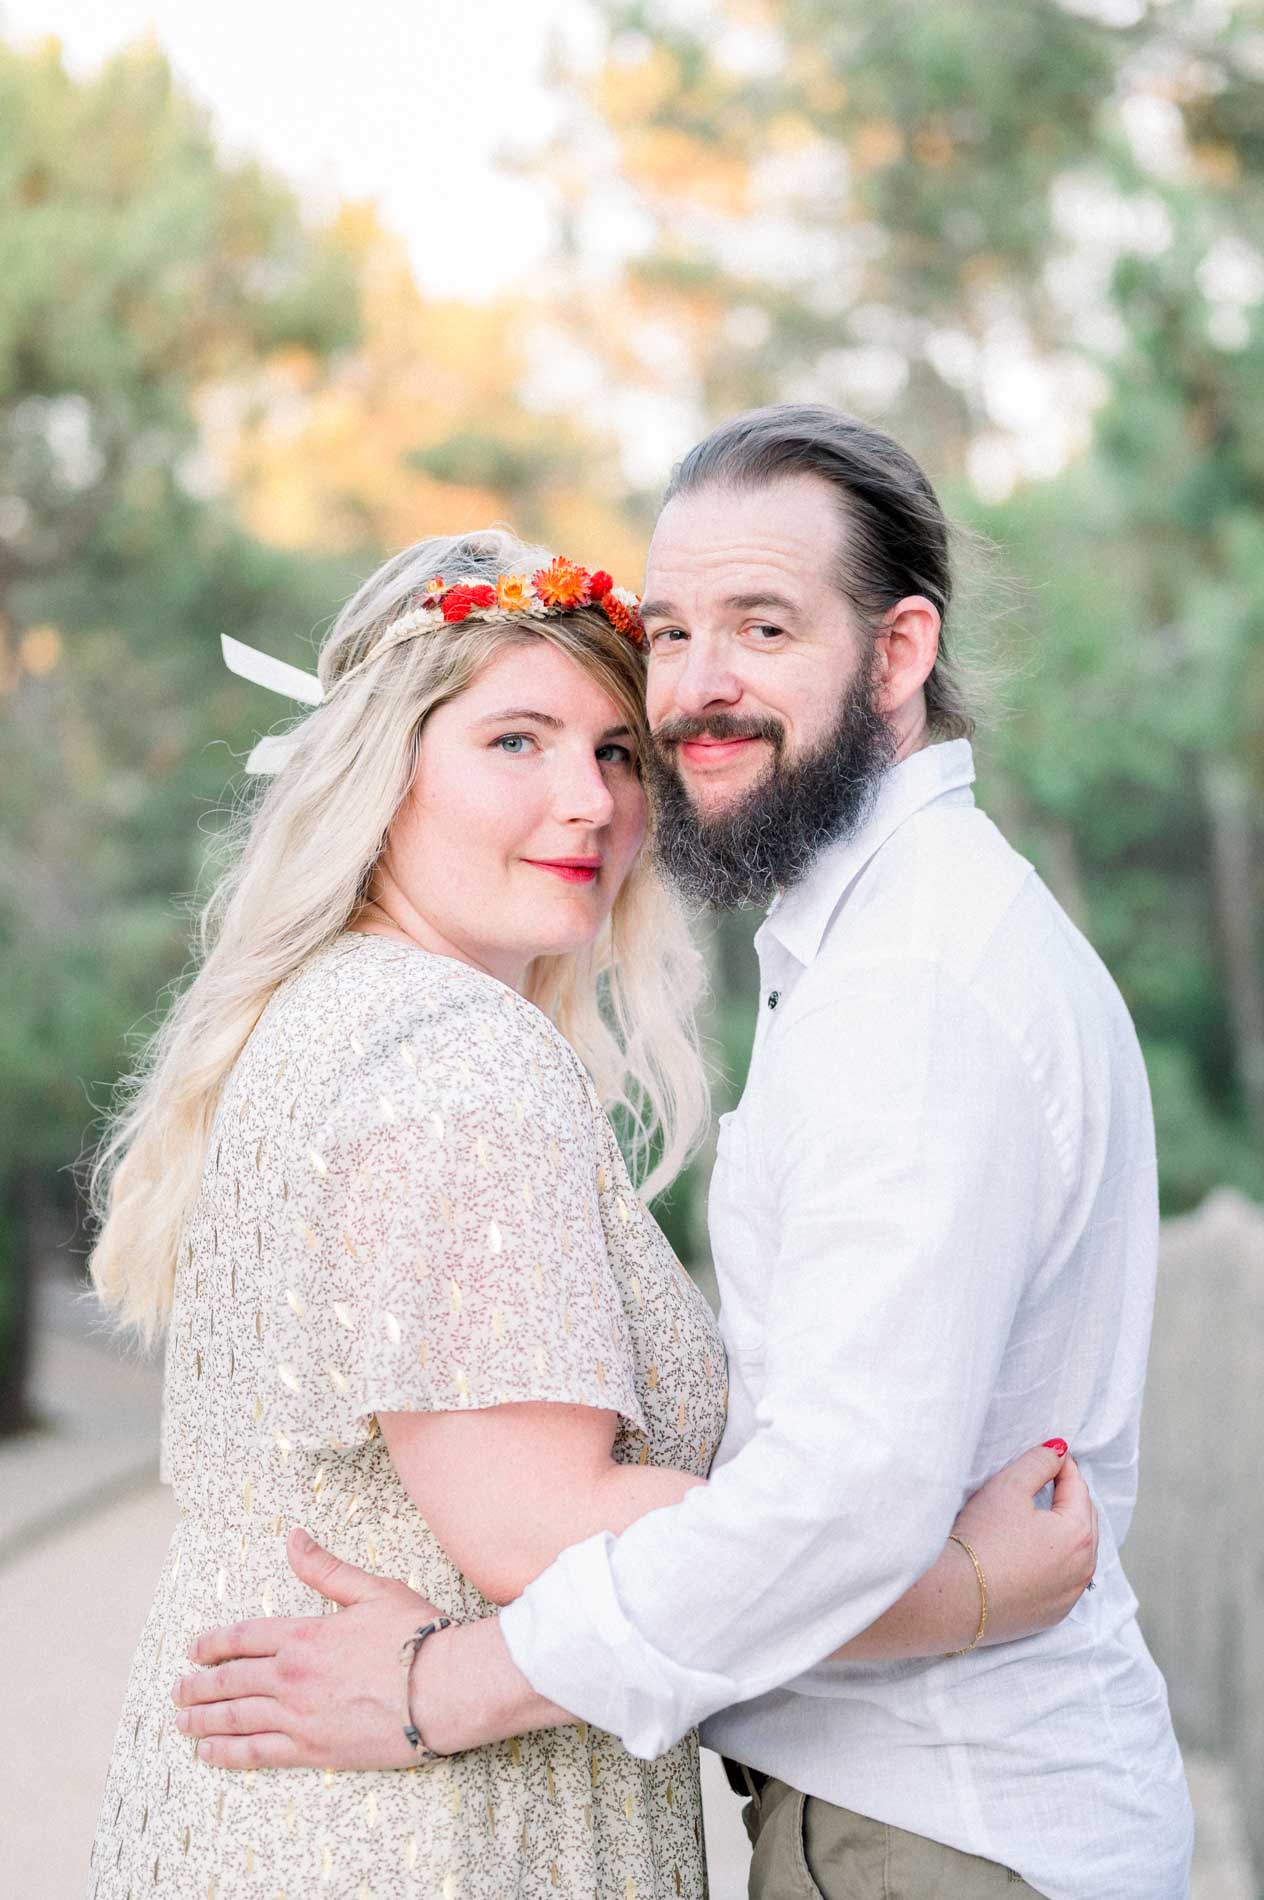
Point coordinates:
[(983, 1603), (408, 1656)]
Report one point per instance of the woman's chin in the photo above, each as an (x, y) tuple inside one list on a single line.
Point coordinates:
[(566, 936)]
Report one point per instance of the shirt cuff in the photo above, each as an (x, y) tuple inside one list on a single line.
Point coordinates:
[(569, 1635)]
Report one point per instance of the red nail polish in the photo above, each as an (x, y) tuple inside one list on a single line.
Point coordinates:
[(1056, 1444)]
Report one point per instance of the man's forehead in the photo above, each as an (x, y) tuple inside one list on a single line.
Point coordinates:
[(778, 536)]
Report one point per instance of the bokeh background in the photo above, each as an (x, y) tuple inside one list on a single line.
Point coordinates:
[(281, 292)]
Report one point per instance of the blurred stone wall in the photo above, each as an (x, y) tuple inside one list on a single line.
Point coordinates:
[(1195, 1553)]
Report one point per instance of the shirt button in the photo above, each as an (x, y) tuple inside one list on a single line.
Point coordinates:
[(774, 997)]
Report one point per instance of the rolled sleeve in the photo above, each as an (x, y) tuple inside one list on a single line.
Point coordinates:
[(897, 1134)]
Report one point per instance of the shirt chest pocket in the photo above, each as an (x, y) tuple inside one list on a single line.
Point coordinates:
[(743, 1238)]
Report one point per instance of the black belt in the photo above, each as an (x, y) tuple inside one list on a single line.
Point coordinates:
[(748, 1782)]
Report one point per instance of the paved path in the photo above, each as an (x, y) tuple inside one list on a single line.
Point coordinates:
[(84, 1527)]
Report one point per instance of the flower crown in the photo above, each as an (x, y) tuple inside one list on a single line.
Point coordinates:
[(559, 588), (556, 589)]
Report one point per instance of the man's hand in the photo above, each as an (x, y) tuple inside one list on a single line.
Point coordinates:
[(311, 1691)]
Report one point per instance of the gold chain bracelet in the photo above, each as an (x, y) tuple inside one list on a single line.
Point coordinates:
[(983, 1603)]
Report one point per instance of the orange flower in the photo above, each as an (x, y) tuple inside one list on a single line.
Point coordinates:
[(513, 594), (562, 584), (435, 586), (624, 614)]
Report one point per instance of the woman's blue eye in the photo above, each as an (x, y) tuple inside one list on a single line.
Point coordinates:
[(624, 752), (514, 743)]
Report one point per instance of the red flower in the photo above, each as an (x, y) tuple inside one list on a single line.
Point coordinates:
[(457, 603), (482, 595), (600, 584)]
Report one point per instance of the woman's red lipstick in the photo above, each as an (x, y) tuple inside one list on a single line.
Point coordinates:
[(570, 870)]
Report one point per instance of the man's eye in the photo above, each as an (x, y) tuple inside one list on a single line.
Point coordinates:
[(764, 629), (514, 743), (671, 635)]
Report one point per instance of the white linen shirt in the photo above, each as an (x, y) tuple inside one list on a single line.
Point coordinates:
[(934, 1226)]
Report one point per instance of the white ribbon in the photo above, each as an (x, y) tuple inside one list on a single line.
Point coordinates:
[(278, 676)]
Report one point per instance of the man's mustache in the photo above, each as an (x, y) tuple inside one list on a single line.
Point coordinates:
[(681, 731)]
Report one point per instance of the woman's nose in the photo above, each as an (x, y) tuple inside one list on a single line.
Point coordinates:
[(584, 797)]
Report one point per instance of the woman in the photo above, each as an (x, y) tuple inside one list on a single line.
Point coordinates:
[(370, 1189)]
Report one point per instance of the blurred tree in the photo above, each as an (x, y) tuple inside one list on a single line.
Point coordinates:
[(1026, 238), (422, 430), (138, 269)]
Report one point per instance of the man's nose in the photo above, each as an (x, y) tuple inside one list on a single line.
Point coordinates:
[(706, 681)]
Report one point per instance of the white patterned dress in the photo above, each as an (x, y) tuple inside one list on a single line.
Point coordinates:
[(412, 1201)]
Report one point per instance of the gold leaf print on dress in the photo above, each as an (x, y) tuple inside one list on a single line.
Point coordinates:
[(295, 1303), (338, 1379), (408, 1225), (495, 1239), (392, 1328), (319, 1164), (289, 1378)]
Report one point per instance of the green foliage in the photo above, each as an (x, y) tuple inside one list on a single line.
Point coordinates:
[(958, 189), (139, 274)]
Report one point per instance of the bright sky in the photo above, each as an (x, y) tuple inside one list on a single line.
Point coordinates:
[(407, 102)]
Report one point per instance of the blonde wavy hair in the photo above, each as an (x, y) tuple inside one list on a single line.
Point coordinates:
[(301, 860)]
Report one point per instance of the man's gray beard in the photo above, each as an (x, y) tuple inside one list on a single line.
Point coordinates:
[(772, 836)]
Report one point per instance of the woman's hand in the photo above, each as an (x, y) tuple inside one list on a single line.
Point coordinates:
[(1037, 1563)]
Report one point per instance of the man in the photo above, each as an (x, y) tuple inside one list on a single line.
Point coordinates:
[(933, 1221)]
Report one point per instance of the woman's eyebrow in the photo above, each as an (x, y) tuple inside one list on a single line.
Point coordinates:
[(519, 712), (545, 719)]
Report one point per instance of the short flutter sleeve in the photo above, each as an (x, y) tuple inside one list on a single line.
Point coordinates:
[(448, 1241)]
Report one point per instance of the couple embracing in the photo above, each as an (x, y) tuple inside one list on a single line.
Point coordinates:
[(415, 1305)]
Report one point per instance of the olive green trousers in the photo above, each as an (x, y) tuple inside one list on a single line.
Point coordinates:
[(807, 1849)]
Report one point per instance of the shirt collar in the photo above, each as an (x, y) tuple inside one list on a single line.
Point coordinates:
[(800, 916)]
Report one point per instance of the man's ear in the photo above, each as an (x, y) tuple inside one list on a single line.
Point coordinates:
[(907, 646)]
